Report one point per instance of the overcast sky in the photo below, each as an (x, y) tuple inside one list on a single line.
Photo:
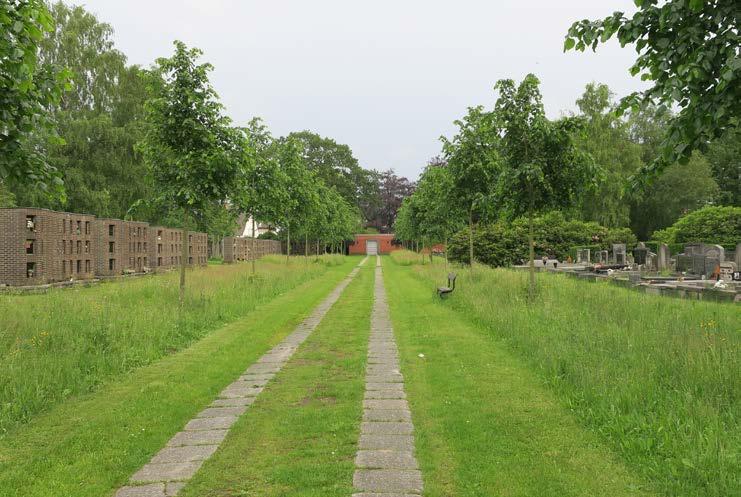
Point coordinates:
[(385, 77)]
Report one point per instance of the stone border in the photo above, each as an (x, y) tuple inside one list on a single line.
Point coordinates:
[(170, 469), (385, 464)]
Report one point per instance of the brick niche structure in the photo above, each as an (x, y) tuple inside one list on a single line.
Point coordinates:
[(39, 246), (238, 248), (384, 243)]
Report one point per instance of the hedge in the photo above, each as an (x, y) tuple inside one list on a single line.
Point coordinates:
[(714, 225), (505, 244)]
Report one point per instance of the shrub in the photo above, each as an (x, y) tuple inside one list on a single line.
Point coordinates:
[(720, 225), (504, 244), (268, 235)]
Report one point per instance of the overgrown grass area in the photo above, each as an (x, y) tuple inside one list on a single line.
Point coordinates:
[(67, 341), (410, 258), (325, 259), (300, 436), (91, 444), (656, 378)]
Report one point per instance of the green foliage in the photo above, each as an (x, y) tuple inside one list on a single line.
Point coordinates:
[(607, 139), (506, 243), (720, 225), (689, 51), (189, 145), (541, 168), (268, 235), (28, 88), (680, 188), (724, 157)]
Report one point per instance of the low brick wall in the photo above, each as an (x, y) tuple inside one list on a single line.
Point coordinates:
[(239, 248)]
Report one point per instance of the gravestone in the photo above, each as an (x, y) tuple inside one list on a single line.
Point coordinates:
[(640, 253), (698, 264), (714, 252), (693, 249), (726, 270), (634, 277), (737, 256), (684, 263), (583, 256), (663, 257), (618, 254), (651, 261), (603, 256)]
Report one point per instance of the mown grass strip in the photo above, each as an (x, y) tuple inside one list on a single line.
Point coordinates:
[(300, 436), (484, 423), (69, 341), (90, 445)]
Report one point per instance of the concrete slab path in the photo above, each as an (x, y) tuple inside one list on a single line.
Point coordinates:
[(385, 465)]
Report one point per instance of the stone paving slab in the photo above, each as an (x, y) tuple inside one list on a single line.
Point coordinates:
[(385, 404), (385, 459), (385, 386), (166, 473), (220, 423), (237, 401), (385, 394), (372, 441), (386, 428), (388, 480), (185, 453), (197, 438), (216, 412), (387, 415)]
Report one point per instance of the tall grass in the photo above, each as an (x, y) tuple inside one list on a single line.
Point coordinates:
[(67, 341), (328, 260), (410, 258), (659, 379)]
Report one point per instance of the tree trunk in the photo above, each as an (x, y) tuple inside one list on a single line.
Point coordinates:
[(470, 235), (445, 249), (288, 244), (252, 244), (183, 263), (531, 240)]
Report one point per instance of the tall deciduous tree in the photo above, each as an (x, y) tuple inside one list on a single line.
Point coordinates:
[(473, 161), (189, 145), (689, 50), (541, 168), (606, 138), (28, 89), (263, 185)]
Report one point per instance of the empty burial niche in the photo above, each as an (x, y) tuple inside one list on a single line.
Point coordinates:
[(111, 247), (30, 269), (79, 266), (31, 223), (29, 246), (111, 229), (111, 264)]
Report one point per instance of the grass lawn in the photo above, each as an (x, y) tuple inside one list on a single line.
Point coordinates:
[(67, 341), (300, 436), (89, 445), (594, 390)]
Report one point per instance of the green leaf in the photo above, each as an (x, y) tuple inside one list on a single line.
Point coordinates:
[(568, 44)]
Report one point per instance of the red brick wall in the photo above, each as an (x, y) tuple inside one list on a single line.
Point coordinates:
[(384, 244)]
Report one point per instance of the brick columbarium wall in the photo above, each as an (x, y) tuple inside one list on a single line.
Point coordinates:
[(237, 248), (40, 246)]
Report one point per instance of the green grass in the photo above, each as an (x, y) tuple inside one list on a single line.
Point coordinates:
[(90, 445), (67, 341), (654, 379), (300, 437)]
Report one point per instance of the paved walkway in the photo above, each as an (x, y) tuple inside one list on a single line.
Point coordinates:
[(169, 470), (385, 463)]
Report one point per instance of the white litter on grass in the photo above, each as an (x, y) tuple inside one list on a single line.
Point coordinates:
[(720, 284), (421, 355)]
